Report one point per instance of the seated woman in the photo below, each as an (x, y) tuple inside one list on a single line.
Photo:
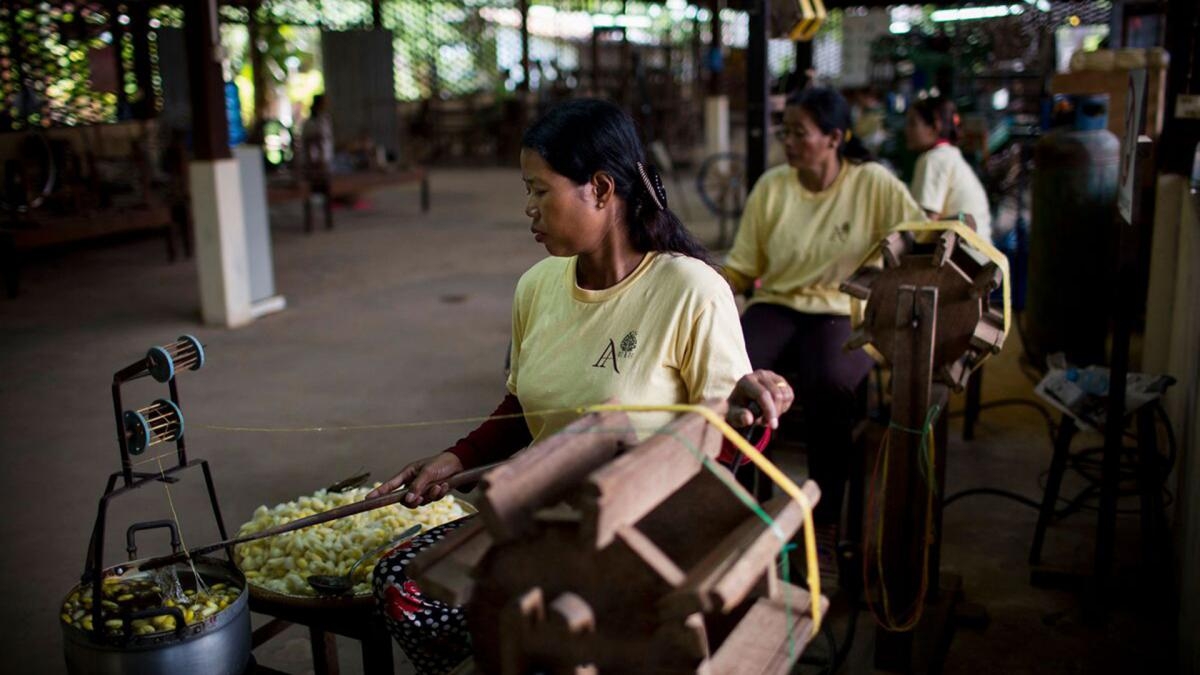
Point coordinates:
[(626, 307), (943, 183), (807, 226)]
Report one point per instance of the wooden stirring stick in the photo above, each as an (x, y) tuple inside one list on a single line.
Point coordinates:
[(457, 480)]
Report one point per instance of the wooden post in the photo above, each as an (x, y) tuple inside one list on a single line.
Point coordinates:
[(1124, 270), (377, 14), (223, 265), (143, 69), (19, 115), (715, 26), (757, 108), (324, 651), (804, 61), (523, 7), (596, 62), (118, 39), (905, 497), (210, 131)]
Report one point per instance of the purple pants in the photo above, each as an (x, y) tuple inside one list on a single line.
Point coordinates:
[(807, 350)]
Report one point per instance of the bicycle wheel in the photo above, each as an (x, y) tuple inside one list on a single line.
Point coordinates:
[(721, 183)]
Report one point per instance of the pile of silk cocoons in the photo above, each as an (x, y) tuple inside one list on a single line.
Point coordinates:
[(283, 563)]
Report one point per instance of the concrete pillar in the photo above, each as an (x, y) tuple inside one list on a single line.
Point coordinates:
[(716, 125), (221, 260), (214, 181)]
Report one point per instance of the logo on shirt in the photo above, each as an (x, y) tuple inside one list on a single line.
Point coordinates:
[(628, 344), (610, 354), (842, 232)]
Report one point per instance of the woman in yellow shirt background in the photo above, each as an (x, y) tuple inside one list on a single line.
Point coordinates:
[(943, 183), (806, 227)]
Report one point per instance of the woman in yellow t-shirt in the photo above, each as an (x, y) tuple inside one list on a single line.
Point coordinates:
[(626, 307), (806, 227), (943, 183)]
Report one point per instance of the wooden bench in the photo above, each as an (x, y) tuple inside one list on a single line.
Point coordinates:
[(44, 231), (344, 185)]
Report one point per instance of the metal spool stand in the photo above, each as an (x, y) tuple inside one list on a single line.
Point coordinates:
[(139, 430)]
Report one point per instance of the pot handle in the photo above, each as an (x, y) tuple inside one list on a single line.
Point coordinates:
[(131, 544), (180, 623)]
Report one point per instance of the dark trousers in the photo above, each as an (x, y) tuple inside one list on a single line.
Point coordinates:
[(807, 350)]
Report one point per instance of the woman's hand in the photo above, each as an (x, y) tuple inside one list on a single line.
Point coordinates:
[(425, 478), (770, 391)]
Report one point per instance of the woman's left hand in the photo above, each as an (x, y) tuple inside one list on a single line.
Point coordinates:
[(769, 390)]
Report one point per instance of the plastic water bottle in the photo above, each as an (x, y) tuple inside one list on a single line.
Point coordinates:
[(1092, 380)]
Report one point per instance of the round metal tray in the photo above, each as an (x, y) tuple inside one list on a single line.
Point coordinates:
[(258, 594)]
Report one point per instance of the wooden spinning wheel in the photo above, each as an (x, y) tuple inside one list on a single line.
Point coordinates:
[(595, 553), (950, 276), (929, 316)]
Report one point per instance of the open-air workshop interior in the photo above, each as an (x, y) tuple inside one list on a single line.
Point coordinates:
[(515, 337)]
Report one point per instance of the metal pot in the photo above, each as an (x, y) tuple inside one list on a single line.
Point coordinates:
[(218, 645)]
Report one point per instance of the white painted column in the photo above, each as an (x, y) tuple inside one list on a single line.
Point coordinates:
[(220, 230), (716, 125)]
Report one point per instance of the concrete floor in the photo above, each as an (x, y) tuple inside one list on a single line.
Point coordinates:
[(398, 316)]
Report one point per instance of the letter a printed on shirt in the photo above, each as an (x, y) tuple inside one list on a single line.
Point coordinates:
[(610, 353)]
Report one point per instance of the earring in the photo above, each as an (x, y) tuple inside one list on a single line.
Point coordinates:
[(600, 205)]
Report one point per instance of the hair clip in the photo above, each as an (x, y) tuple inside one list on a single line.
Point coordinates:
[(653, 187)]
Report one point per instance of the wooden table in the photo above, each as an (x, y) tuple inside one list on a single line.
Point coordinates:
[(40, 230), (357, 621), (337, 185)]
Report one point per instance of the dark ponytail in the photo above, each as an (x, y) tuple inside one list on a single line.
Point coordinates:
[(829, 110), (583, 136), (937, 110)]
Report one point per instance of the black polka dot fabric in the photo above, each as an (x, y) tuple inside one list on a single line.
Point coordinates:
[(432, 634)]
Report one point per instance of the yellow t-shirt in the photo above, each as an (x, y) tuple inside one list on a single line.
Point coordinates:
[(667, 333), (944, 183), (802, 245)]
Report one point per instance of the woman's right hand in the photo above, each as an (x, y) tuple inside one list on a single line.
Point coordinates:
[(426, 479)]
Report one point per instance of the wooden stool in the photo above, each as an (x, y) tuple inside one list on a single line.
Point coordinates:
[(356, 621), (1148, 466)]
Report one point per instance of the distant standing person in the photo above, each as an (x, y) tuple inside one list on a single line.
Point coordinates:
[(943, 183), (316, 138)]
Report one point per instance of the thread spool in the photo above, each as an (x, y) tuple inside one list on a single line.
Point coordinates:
[(159, 422), (165, 361)]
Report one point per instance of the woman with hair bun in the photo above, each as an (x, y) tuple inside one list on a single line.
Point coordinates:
[(943, 183)]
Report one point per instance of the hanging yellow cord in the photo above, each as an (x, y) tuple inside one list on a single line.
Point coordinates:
[(888, 621), (179, 529), (768, 468)]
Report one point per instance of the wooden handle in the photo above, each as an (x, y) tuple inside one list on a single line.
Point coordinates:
[(457, 480)]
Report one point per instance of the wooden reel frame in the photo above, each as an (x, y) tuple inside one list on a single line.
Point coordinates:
[(968, 328), (594, 552)]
